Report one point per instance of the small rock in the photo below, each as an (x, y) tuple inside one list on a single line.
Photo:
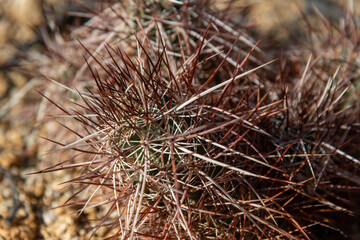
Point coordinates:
[(17, 78), (8, 159), (49, 217), (25, 12)]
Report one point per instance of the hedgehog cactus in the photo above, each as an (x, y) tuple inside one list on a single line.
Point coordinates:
[(171, 154)]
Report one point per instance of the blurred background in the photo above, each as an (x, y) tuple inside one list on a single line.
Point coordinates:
[(26, 29)]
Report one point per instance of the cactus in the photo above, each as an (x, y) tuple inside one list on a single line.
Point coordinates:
[(173, 151)]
